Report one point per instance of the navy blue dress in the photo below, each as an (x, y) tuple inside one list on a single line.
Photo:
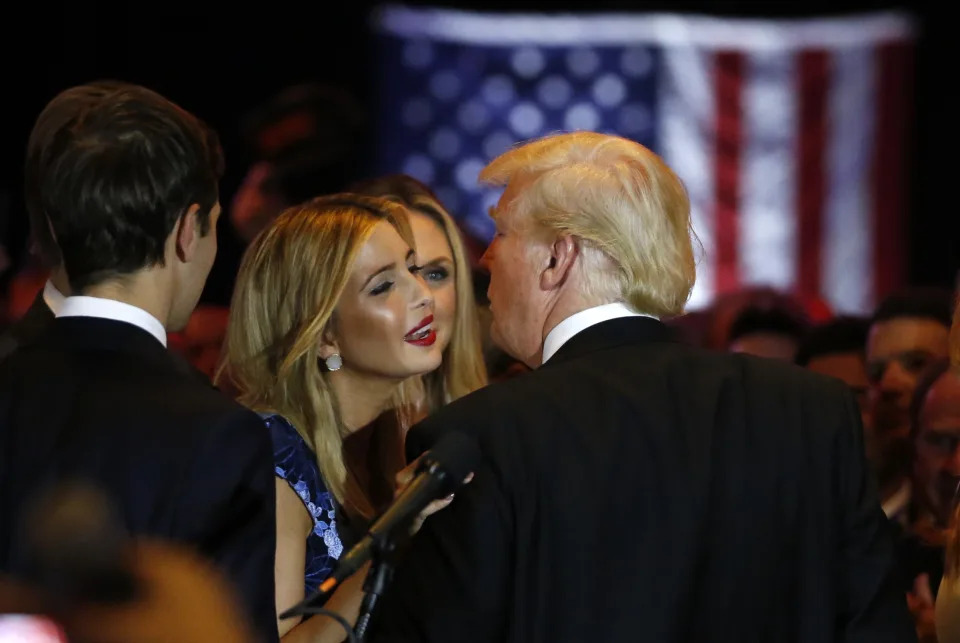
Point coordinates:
[(295, 462)]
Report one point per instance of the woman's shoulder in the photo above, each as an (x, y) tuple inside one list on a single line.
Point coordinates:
[(293, 459), (282, 431)]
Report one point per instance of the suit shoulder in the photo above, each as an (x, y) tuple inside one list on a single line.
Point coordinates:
[(493, 410), (768, 373), (204, 399)]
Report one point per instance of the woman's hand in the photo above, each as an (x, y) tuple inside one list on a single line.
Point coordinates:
[(404, 477)]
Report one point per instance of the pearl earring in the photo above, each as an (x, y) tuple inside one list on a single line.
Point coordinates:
[(334, 362)]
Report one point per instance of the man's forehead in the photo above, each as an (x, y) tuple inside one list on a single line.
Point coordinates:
[(941, 404), (902, 334)]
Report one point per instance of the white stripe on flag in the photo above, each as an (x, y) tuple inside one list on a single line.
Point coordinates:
[(512, 29), (768, 222), (847, 281), (686, 114)]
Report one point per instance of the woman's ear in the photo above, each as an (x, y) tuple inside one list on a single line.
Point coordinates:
[(328, 342)]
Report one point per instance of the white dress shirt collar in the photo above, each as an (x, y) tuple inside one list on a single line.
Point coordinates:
[(116, 310), (52, 297), (895, 507), (578, 322)]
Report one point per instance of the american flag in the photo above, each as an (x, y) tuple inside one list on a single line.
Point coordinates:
[(790, 135)]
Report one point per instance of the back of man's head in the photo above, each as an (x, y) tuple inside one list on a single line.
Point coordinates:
[(842, 335), (110, 170), (767, 332), (625, 205)]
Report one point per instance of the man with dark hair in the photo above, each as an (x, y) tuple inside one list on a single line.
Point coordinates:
[(48, 301), (766, 332), (909, 331), (836, 348), (126, 184)]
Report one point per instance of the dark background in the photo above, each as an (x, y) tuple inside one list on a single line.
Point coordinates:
[(219, 61)]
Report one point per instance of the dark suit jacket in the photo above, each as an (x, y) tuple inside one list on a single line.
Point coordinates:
[(635, 489), (104, 401), (25, 330)]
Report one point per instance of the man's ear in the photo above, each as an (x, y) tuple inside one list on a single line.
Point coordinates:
[(188, 233), (563, 254)]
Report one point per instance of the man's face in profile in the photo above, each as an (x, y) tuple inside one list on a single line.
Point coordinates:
[(515, 259)]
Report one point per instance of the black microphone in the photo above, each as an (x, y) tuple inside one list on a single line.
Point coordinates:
[(442, 470)]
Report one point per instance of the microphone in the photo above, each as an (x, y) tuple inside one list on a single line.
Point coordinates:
[(442, 470)]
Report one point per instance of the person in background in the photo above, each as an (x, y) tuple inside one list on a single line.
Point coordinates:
[(183, 598), (129, 185), (837, 348), (947, 608), (445, 268), (935, 476), (306, 141), (726, 307), (908, 332), (766, 332)]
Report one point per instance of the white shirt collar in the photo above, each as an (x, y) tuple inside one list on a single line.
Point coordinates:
[(52, 297), (896, 505), (578, 322), (80, 306)]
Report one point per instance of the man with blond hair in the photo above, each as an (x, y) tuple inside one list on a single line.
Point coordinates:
[(633, 488)]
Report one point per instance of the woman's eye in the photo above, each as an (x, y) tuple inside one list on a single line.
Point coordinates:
[(436, 274), (381, 288)]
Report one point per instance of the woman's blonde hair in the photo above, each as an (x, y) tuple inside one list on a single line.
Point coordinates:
[(629, 210), (290, 281), (462, 370)]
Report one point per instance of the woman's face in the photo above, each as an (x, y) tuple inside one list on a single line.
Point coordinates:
[(383, 323), (436, 257)]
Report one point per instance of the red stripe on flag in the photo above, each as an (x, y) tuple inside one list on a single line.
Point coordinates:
[(728, 78), (814, 80), (894, 92)]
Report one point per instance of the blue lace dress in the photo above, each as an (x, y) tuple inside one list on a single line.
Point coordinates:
[(295, 462)]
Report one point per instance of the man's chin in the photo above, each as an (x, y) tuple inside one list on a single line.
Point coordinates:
[(501, 342)]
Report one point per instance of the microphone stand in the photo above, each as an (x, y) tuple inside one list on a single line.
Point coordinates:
[(379, 576)]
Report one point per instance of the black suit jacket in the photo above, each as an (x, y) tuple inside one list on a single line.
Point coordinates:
[(635, 489), (104, 401), (28, 328)]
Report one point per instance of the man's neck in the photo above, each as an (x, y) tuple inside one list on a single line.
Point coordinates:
[(58, 277), (144, 290), (565, 308)]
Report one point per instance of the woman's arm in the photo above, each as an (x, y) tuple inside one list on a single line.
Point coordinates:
[(293, 526)]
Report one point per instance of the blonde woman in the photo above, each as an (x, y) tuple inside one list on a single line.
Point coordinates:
[(447, 272), (329, 316)]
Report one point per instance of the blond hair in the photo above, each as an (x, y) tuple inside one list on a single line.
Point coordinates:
[(462, 370), (629, 210), (290, 281)]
